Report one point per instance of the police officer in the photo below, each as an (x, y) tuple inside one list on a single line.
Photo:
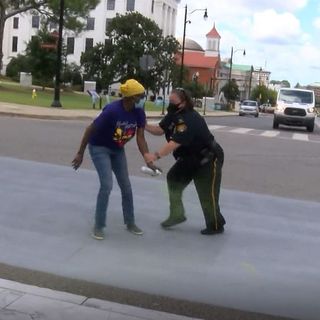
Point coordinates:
[(199, 158)]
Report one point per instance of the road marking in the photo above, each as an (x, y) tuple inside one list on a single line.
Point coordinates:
[(300, 136), (241, 130), (215, 127), (269, 133)]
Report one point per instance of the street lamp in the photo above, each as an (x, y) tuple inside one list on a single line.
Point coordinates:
[(231, 57), (56, 100), (230, 70), (205, 16)]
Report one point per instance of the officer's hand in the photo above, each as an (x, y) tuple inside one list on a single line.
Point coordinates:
[(76, 162)]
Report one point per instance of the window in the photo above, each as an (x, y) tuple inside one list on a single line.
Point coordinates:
[(130, 5), (90, 23), (295, 96), (152, 6), (70, 45), (14, 44), (107, 42), (111, 4), (107, 23), (53, 25), (89, 44), (15, 23), (35, 22)]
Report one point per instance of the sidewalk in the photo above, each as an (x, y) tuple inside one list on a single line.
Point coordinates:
[(64, 114), (259, 265), (24, 302)]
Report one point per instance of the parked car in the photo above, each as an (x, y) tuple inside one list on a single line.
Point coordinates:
[(270, 109), (263, 107), (249, 107)]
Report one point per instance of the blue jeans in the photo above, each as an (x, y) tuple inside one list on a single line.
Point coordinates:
[(105, 161)]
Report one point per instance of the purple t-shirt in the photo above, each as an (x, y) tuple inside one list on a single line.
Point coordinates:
[(115, 126)]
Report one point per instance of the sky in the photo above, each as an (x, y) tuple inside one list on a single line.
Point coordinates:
[(282, 37)]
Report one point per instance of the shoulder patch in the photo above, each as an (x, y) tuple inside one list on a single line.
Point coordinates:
[(180, 126)]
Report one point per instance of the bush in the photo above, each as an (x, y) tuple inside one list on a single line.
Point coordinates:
[(16, 65), (43, 83), (72, 74), (77, 87)]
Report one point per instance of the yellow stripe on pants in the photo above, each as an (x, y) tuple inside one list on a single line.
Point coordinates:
[(213, 194)]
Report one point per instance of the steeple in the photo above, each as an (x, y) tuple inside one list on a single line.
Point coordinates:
[(213, 43)]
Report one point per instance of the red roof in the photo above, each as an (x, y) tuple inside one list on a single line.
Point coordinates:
[(213, 33), (198, 59)]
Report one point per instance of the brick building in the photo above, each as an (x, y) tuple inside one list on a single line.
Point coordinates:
[(203, 65)]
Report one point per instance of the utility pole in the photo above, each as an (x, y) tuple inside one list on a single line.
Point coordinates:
[(56, 100)]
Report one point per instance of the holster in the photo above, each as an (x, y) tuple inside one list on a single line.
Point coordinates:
[(208, 153)]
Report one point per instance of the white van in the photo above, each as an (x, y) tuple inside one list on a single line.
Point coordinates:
[(295, 107)]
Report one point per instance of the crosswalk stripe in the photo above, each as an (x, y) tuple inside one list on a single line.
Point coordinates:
[(265, 133), (269, 133), (300, 136), (241, 130), (215, 127)]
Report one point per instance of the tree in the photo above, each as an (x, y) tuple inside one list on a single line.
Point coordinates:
[(41, 60), (97, 64), (136, 49), (231, 90), (285, 84), (195, 88), (72, 74), (264, 95), (163, 71), (49, 9)]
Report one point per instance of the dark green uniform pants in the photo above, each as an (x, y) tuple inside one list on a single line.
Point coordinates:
[(207, 180)]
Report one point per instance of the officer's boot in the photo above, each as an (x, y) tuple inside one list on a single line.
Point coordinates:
[(173, 220)]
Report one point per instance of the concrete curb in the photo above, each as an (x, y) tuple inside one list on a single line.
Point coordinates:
[(43, 117), (19, 297), (25, 111)]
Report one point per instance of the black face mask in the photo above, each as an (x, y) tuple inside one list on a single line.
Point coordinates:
[(172, 107)]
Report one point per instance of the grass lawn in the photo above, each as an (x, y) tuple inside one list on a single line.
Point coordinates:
[(13, 93)]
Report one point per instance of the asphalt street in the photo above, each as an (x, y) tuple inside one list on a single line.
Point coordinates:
[(279, 166)]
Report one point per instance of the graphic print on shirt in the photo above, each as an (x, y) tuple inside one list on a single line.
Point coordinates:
[(124, 131)]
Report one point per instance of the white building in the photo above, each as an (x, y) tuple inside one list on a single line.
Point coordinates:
[(247, 77), (20, 28)]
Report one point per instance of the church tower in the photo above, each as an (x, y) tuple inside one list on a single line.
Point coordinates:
[(213, 43)]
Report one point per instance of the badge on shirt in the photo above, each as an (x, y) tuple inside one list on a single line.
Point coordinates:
[(180, 126)]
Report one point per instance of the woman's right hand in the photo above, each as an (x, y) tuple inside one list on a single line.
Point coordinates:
[(149, 158), (76, 162)]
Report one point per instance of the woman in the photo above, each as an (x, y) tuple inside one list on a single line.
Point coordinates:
[(106, 135), (198, 157)]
